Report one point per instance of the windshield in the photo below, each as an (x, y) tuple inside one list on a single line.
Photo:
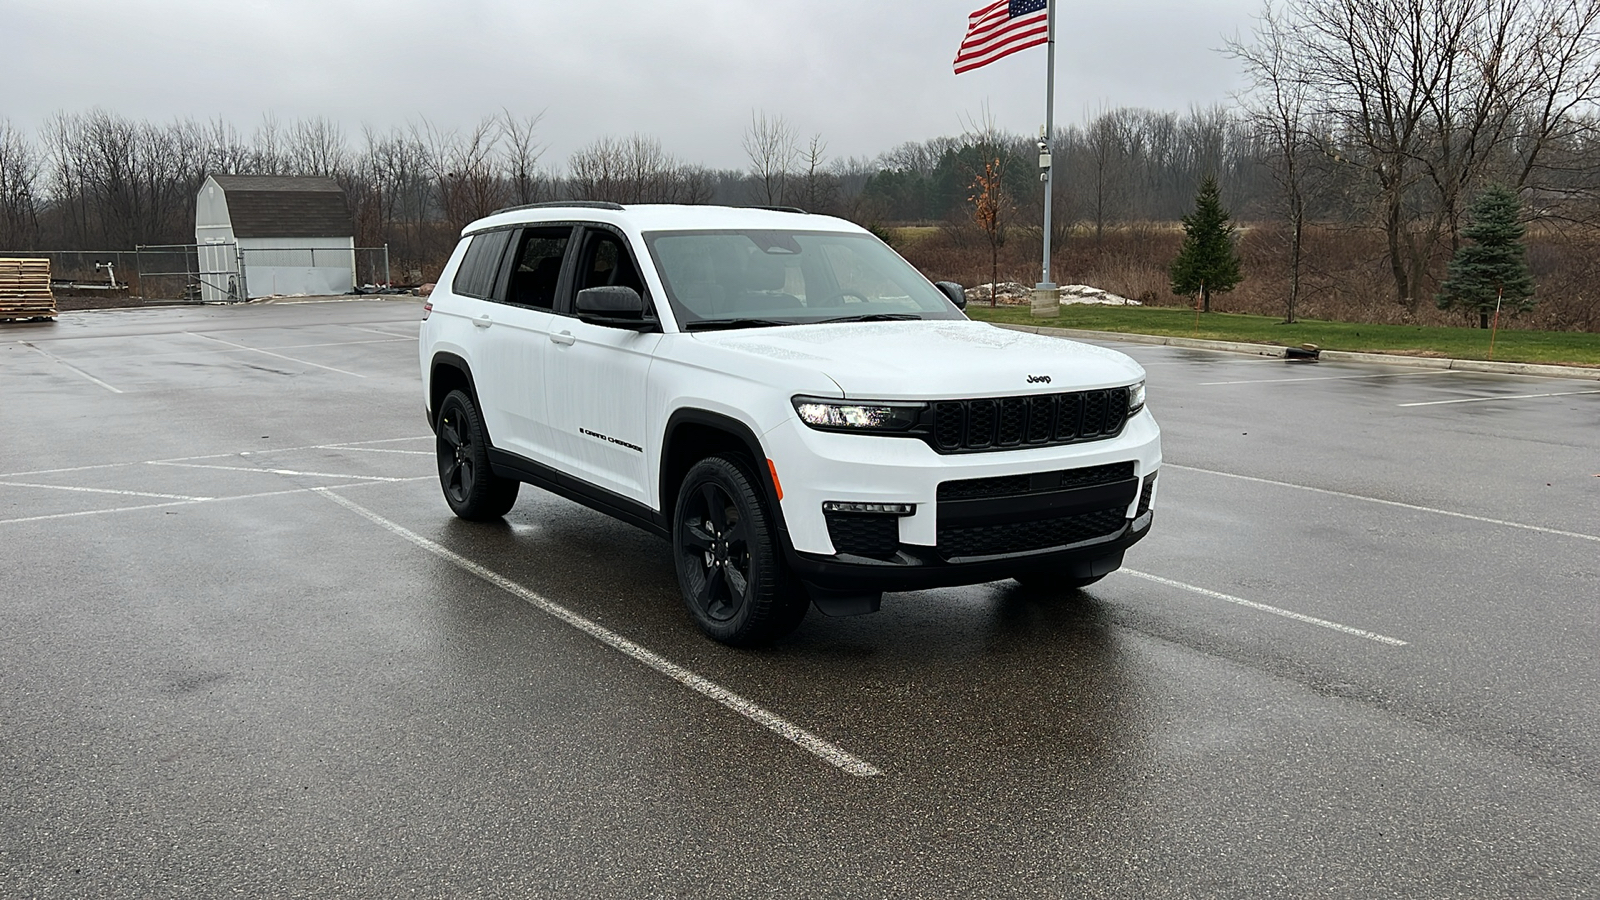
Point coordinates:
[(742, 279)]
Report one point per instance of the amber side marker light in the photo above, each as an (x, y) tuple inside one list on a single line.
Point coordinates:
[(776, 484)]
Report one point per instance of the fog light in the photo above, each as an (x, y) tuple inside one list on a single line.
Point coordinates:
[(874, 509)]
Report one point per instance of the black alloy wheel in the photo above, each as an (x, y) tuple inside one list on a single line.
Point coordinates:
[(470, 486), (730, 567)]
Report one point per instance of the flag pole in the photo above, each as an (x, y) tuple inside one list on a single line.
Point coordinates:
[(1045, 140)]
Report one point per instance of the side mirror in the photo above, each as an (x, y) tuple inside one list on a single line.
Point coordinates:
[(614, 305), (955, 292)]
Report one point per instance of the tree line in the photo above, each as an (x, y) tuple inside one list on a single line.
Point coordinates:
[(96, 180), (1379, 117)]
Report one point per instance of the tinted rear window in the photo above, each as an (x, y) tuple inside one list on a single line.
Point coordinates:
[(475, 278)]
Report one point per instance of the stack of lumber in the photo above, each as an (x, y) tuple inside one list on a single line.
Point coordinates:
[(25, 289)]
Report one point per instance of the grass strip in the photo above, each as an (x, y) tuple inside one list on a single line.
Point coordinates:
[(1550, 347)]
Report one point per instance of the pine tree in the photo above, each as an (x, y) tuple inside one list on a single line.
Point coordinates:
[(1207, 263), (1494, 262)]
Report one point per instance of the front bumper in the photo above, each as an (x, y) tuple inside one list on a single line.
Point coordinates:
[(918, 568), (918, 550)]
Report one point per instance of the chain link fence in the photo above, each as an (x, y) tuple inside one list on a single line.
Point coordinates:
[(204, 272)]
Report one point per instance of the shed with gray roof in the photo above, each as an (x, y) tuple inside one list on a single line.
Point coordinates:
[(271, 235)]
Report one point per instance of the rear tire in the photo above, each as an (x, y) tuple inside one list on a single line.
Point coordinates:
[(470, 486), (730, 566)]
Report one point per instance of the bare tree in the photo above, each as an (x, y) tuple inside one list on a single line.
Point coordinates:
[(1276, 107), (1104, 139), (522, 157), (1426, 96), (819, 185), (635, 170), (465, 170), (269, 157), (773, 150), (225, 150), (19, 197), (316, 146)]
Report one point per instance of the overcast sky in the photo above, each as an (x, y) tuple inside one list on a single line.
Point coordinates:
[(867, 74)]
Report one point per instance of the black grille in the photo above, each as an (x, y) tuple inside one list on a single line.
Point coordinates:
[(874, 536), (980, 425), (961, 426), (1016, 485), (1020, 537), (1041, 419), (1013, 419)]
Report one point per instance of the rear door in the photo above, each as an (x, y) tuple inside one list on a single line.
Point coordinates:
[(514, 337), (595, 375)]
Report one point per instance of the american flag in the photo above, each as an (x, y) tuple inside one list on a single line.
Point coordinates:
[(1001, 29)]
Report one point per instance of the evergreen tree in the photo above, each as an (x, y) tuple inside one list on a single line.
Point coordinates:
[(1494, 261), (1207, 263)]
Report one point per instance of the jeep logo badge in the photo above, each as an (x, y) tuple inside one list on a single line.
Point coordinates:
[(1038, 379)]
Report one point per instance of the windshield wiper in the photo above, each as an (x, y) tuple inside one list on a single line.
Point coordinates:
[(723, 324), (872, 317)]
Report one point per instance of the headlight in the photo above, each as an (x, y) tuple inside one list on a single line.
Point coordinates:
[(858, 415), (1135, 398)]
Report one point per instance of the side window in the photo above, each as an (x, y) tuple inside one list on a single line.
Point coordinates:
[(538, 267), (481, 264), (606, 261)]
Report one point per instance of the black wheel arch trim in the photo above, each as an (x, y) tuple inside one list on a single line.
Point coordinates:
[(445, 360), (752, 444)]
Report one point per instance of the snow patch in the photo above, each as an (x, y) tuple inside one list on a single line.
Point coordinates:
[(1083, 293)]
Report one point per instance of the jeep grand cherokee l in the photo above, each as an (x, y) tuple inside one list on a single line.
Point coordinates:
[(805, 417)]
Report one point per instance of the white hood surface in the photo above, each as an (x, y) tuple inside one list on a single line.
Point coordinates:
[(935, 359)]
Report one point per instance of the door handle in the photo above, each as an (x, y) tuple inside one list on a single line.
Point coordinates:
[(483, 321), (564, 338)]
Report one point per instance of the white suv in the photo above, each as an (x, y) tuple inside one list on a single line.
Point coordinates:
[(801, 413)]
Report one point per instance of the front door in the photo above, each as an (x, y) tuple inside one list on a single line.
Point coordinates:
[(595, 377)]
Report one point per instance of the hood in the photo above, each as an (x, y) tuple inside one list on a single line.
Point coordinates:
[(934, 359)]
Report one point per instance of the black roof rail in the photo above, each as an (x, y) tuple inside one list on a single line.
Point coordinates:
[(789, 209), (560, 204)]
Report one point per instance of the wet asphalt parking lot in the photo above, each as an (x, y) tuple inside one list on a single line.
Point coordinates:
[(247, 650)]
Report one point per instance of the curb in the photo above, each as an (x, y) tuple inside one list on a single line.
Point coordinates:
[(1268, 350)]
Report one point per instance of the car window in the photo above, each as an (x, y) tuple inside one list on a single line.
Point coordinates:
[(780, 278), (607, 262), (480, 264), (538, 258)]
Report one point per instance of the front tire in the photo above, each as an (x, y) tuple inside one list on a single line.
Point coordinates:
[(730, 567), (470, 486)]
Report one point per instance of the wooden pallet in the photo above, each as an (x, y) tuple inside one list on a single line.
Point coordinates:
[(25, 290)]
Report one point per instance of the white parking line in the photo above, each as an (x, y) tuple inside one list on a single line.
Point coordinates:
[(190, 353), (1411, 506), (404, 337), (90, 490), (270, 353), (256, 496), (392, 340), (1262, 607), (257, 471), (378, 450), (1502, 397), (828, 752), (48, 355), (1333, 378), (349, 445)]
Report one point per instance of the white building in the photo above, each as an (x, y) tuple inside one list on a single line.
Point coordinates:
[(270, 235)]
